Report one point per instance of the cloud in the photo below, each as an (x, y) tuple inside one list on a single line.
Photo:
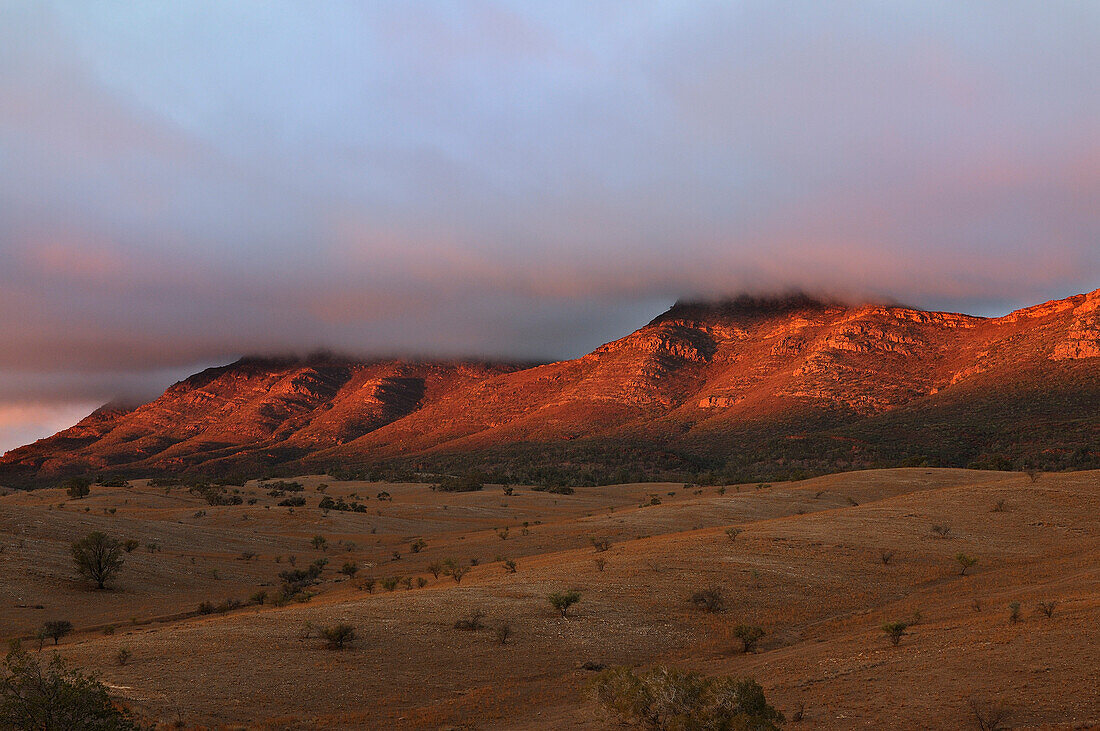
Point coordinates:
[(181, 184)]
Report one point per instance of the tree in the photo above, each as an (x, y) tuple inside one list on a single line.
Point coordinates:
[(667, 698), (54, 697), (56, 629), (562, 600), (749, 635), (78, 487), (711, 599), (895, 631), (319, 542), (349, 569), (965, 562), (98, 557)]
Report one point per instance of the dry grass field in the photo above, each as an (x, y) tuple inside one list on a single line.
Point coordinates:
[(807, 567)]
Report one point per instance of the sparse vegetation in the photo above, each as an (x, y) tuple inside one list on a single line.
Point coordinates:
[(886, 555), (1046, 608), (1014, 612), (600, 544), (503, 632), (943, 531), (733, 532), (668, 698), (989, 716)]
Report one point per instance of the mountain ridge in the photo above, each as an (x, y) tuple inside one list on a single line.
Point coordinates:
[(696, 389)]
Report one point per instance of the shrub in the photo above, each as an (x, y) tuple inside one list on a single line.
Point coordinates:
[(33, 696), (1046, 608), (710, 599), (294, 501), (466, 483), (886, 555), (390, 583), (98, 557), (749, 635), (471, 623), (503, 632), (965, 562), (129, 545), (502, 533), (258, 597), (1014, 612), (421, 582), (895, 631), (508, 490), (368, 584), (562, 600), (418, 545), (454, 570), (122, 656), (734, 532), (319, 542), (943, 531), (999, 506), (338, 635), (56, 629), (667, 698), (989, 716), (510, 566), (349, 569), (436, 567), (600, 544), (601, 563)]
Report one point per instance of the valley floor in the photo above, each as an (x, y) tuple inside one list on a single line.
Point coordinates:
[(807, 566)]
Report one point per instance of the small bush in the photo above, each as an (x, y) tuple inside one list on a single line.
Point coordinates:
[(510, 566), (338, 636), (436, 568), (390, 583), (886, 556), (319, 542), (562, 600), (1014, 612), (989, 716), (710, 599), (418, 545), (895, 631), (600, 544), (965, 562), (601, 563), (472, 623), (129, 545), (258, 597), (503, 632), (943, 531), (349, 569), (368, 584), (122, 656), (1046, 608), (734, 532), (667, 698)]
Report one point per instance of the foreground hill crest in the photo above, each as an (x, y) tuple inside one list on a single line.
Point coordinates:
[(795, 381)]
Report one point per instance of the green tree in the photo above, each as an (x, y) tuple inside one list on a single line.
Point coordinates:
[(54, 697), (98, 557)]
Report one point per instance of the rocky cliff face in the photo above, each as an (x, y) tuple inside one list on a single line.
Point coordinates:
[(688, 380)]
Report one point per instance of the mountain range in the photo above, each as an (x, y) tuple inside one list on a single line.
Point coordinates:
[(747, 388)]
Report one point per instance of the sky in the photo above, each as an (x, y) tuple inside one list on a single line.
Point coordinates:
[(184, 183)]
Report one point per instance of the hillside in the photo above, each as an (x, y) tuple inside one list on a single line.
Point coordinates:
[(745, 388), (806, 567)]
